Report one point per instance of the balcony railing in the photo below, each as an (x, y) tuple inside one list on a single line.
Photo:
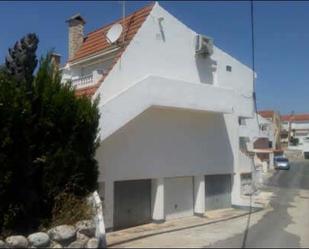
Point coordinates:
[(83, 81), (87, 80)]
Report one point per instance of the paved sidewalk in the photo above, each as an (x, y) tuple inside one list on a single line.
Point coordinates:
[(197, 231)]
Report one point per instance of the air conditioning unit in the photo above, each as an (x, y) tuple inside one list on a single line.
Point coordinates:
[(204, 45)]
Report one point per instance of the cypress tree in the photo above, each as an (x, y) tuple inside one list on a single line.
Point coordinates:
[(47, 139)]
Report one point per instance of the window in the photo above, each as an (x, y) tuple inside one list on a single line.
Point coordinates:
[(243, 143), (229, 68), (263, 127), (241, 121)]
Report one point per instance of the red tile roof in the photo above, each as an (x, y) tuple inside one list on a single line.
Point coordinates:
[(295, 117), (266, 113), (86, 91), (95, 42)]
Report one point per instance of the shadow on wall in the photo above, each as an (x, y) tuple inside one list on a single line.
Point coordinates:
[(206, 68), (169, 143)]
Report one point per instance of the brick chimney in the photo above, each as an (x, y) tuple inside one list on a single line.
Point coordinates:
[(76, 34), (55, 60)]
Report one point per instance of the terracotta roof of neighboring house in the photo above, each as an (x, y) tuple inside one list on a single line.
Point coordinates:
[(95, 42), (295, 117), (87, 91), (266, 113), (267, 150)]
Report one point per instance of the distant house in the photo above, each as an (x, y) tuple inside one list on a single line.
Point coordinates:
[(275, 119), (265, 146), (256, 150), (170, 104), (297, 126)]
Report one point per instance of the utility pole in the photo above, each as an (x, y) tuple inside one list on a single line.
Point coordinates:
[(123, 18), (290, 124)]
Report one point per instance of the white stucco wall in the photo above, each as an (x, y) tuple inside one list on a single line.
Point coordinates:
[(252, 128), (300, 125), (167, 143), (296, 125), (162, 143), (245, 163), (163, 92), (173, 57)]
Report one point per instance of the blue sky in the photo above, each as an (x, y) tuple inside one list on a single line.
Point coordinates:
[(281, 32)]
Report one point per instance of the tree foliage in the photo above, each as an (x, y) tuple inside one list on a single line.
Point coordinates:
[(47, 140), (21, 59)]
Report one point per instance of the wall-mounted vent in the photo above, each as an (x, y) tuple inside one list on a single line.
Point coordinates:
[(204, 45)]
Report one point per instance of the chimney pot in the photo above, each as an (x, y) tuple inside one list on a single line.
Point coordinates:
[(56, 59)]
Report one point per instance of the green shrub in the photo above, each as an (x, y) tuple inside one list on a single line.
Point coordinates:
[(47, 142)]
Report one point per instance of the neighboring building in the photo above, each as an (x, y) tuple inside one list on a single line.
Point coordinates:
[(296, 126), (247, 168), (256, 138), (275, 119), (265, 145), (170, 109)]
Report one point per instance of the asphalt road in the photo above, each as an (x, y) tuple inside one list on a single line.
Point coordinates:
[(287, 225)]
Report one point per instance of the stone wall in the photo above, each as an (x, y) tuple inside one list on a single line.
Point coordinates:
[(294, 154), (247, 187), (82, 235)]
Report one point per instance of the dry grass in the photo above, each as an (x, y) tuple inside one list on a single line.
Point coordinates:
[(68, 210)]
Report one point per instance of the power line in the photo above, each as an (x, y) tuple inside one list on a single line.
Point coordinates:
[(245, 238), (253, 57)]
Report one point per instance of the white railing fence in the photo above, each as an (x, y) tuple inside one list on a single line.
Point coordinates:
[(84, 80), (87, 80)]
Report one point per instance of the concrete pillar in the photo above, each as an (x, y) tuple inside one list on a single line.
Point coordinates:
[(271, 160), (236, 188), (199, 195), (109, 205), (157, 197)]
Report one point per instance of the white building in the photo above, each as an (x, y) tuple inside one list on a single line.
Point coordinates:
[(256, 152), (299, 128), (169, 126)]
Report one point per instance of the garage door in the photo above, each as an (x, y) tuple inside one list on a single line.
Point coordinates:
[(178, 198), (217, 191), (132, 203)]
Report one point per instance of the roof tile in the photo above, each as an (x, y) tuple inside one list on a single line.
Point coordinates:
[(295, 117), (266, 113), (96, 42)]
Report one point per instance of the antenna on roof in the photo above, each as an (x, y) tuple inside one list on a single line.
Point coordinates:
[(123, 17), (114, 33)]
